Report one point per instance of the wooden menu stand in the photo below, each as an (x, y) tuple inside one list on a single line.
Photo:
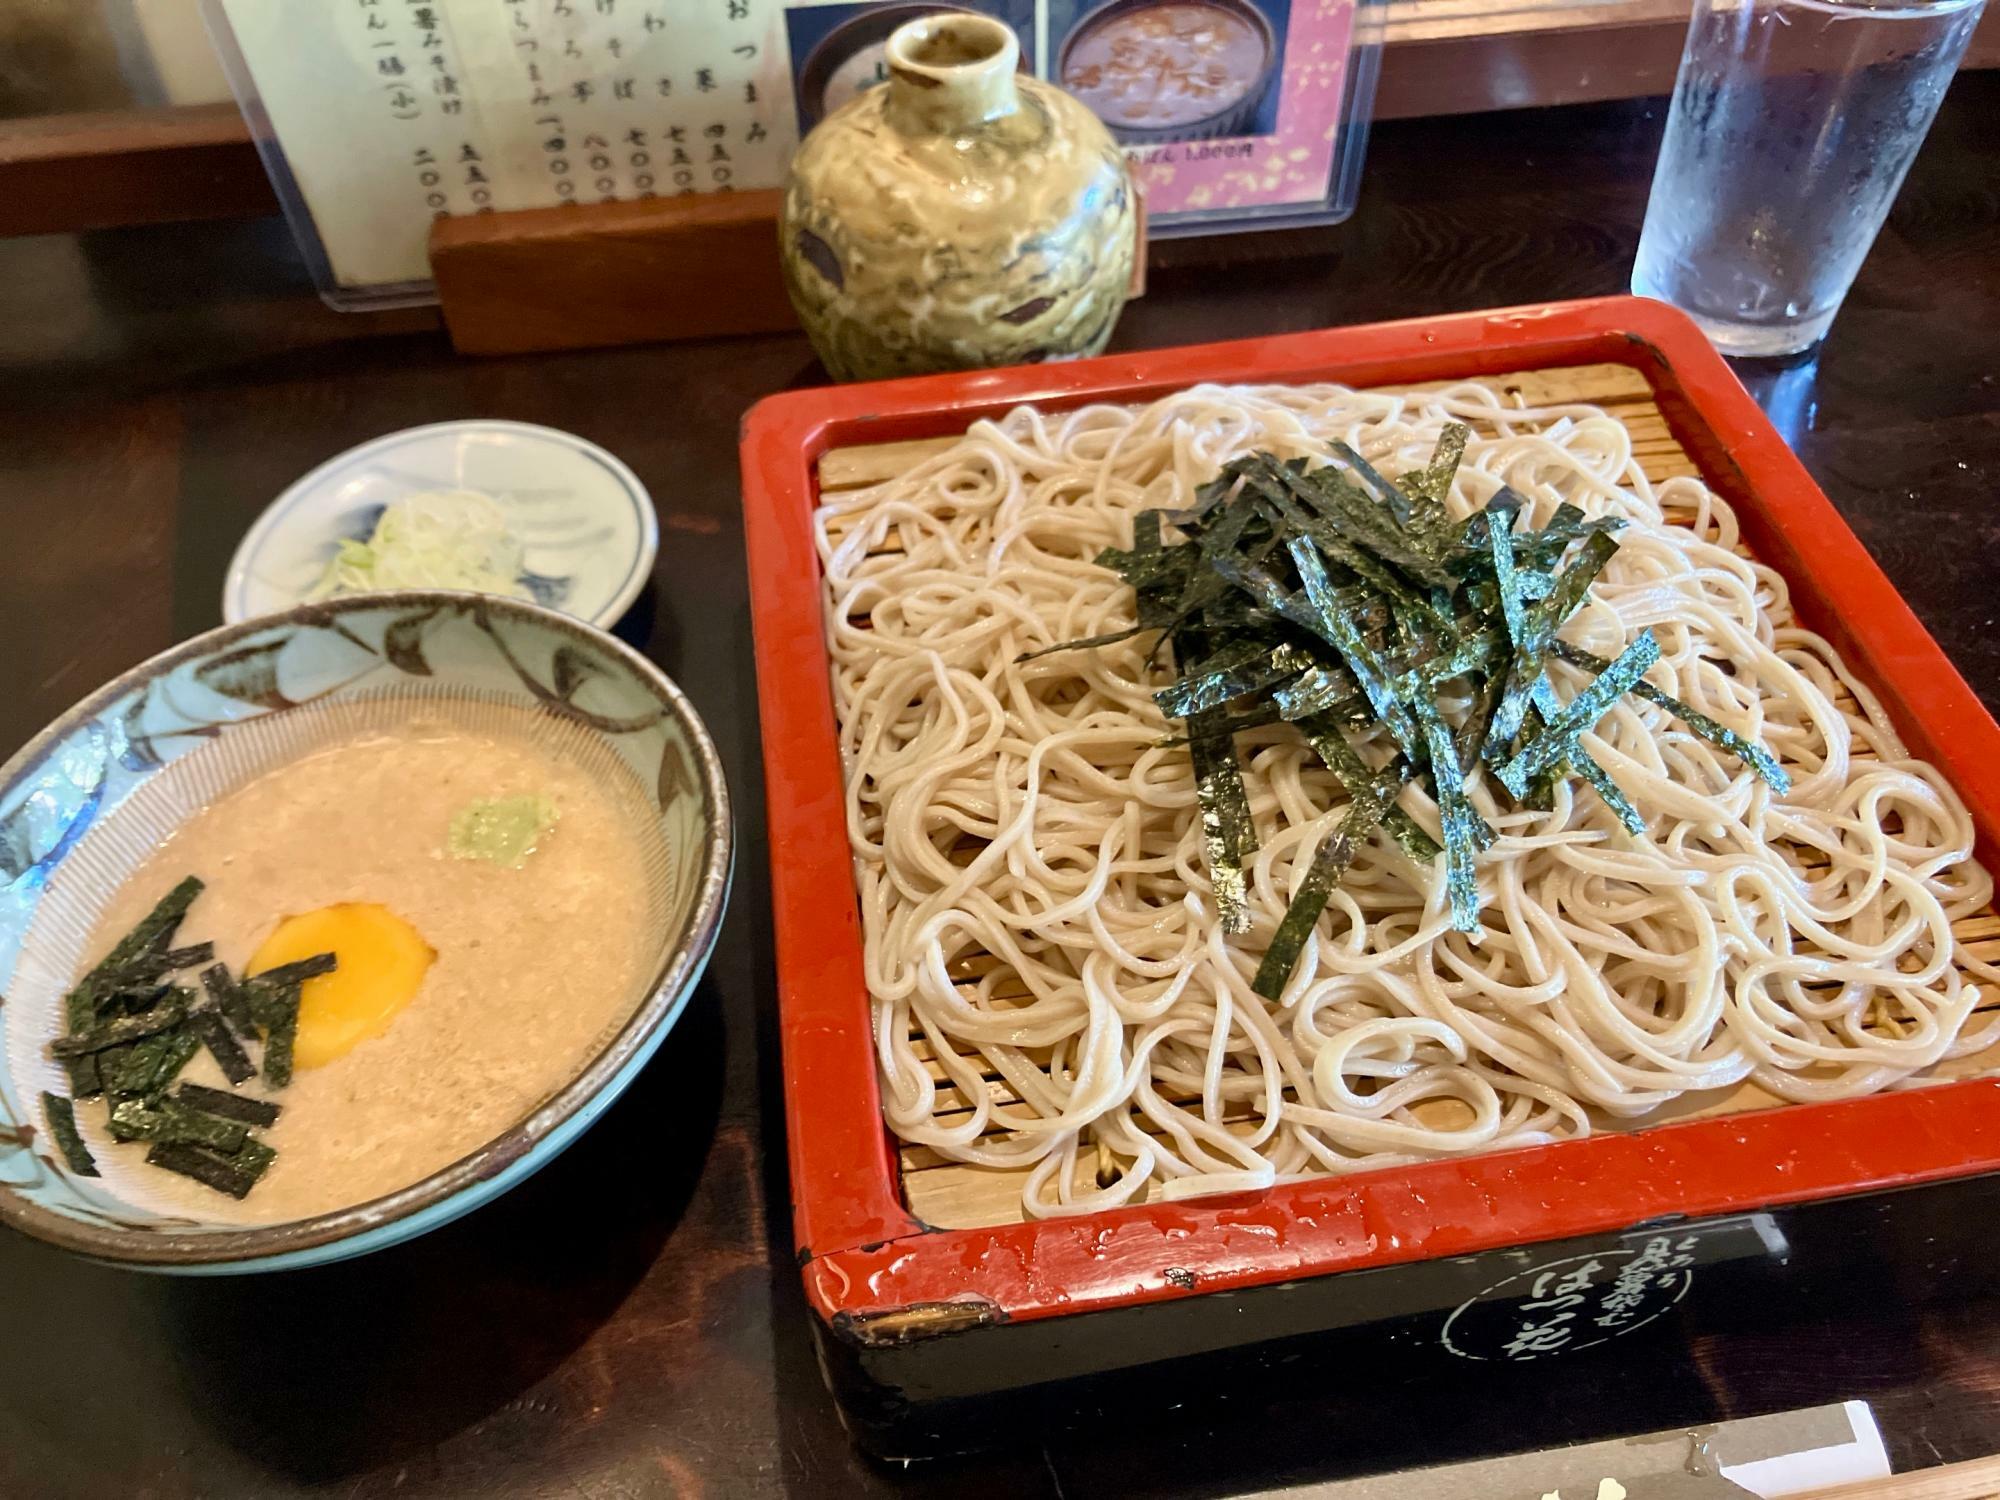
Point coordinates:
[(621, 273), (611, 273)]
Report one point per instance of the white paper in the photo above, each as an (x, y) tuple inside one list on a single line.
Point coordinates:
[(392, 113)]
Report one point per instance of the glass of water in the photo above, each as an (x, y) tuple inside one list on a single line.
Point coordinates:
[(1792, 124)]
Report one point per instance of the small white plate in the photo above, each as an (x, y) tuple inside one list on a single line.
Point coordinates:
[(587, 529)]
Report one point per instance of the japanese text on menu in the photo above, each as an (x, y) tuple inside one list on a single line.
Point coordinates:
[(394, 112)]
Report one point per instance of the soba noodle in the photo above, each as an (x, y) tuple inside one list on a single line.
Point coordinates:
[(1038, 920)]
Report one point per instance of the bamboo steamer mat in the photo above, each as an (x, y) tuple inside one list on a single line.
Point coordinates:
[(954, 1195)]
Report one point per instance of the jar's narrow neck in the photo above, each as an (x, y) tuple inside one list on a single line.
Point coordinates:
[(951, 72)]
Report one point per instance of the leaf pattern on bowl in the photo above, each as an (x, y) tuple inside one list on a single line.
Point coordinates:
[(249, 673), (572, 670), (403, 642), (676, 776), (551, 697)]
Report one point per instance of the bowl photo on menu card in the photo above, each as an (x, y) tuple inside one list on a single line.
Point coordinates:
[(840, 48), (1157, 71)]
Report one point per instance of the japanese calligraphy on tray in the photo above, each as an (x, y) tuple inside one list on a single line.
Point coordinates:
[(384, 114)]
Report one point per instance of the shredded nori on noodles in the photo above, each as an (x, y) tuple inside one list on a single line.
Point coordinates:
[(1752, 754), (1364, 814), (1328, 596)]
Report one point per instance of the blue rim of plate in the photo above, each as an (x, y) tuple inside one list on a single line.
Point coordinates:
[(236, 581)]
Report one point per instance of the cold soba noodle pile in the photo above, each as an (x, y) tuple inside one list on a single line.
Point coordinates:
[(1044, 813)]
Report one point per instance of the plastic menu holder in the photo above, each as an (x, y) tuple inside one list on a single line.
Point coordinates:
[(375, 119)]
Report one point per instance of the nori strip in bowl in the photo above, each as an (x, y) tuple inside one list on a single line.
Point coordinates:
[(168, 1013), (231, 999), (213, 1032), (250, 1110), (176, 1051), (298, 970), (235, 1174), (169, 1120), (154, 930), (61, 1115), (279, 1011)]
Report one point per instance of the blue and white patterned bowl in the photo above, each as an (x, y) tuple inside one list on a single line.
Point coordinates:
[(585, 523), (90, 796)]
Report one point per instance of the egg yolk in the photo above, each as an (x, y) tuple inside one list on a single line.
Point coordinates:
[(382, 962)]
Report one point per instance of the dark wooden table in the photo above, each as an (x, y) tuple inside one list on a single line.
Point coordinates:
[(629, 1323)]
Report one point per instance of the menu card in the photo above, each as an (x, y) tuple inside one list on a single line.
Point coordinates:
[(379, 116)]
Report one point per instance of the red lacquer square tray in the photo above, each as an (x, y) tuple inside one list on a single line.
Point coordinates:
[(869, 1263)]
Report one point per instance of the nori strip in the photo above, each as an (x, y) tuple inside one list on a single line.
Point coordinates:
[(1537, 549), (149, 1066), (1330, 862), (136, 1002), (135, 1120), (1471, 653), (1581, 761), (1472, 734), (1429, 487), (1500, 542), (111, 1065), (234, 1175), (1370, 525), (169, 1012), (84, 1082), (298, 971), (1210, 687), (1341, 758), (1465, 832), (1206, 497), (1368, 669), (167, 1120), (148, 970), (1379, 488), (1343, 553), (1090, 641), (245, 1107), (1215, 541), (1539, 628), (1553, 745), (1314, 692), (229, 998), (61, 1115), (1226, 831), (213, 1032), (280, 1013), (1355, 516), (154, 930), (1722, 736)]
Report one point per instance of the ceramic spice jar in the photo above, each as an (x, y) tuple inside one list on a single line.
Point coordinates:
[(963, 215)]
